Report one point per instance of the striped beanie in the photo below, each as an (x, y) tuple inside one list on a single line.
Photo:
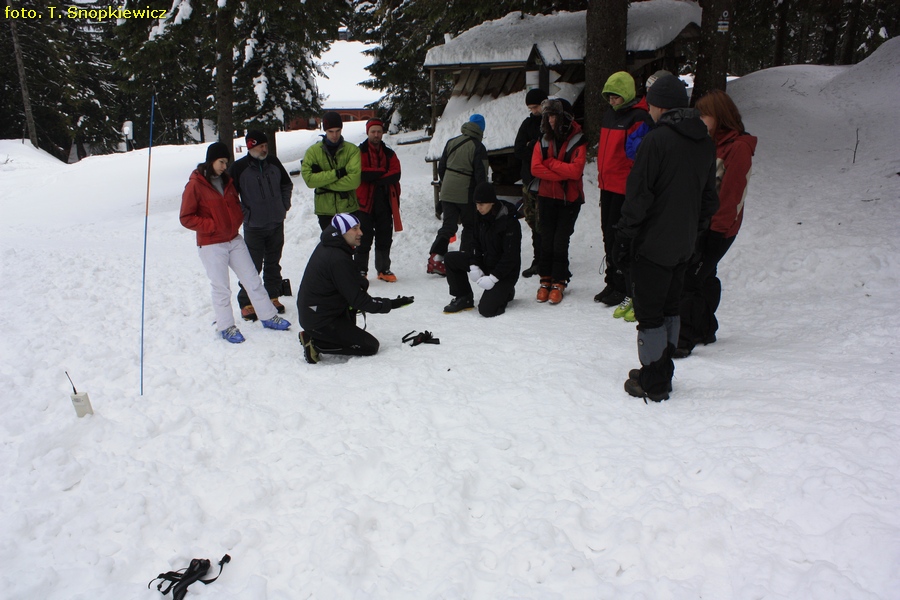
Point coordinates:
[(344, 222)]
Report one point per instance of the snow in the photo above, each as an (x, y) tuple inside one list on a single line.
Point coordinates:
[(506, 462), (561, 36), (345, 67)]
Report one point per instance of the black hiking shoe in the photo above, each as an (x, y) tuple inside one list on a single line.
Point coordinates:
[(681, 352), (459, 304), (604, 293), (309, 350), (633, 387), (614, 298), (531, 271)]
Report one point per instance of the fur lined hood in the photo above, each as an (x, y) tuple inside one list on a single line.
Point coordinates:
[(561, 108)]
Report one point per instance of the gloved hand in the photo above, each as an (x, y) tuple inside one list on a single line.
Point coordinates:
[(315, 168), (475, 273), (340, 172), (402, 301), (622, 252), (487, 282)]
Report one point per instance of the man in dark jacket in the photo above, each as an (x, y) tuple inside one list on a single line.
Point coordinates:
[(265, 189), (463, 165), (332, 291), (670, 195), (529, 133), (494, 264)]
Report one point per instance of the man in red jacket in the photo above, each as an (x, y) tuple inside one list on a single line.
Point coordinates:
[(379, 201)]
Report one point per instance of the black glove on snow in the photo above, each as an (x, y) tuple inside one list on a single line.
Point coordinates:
[(315, 168), (340, 172), (402, 301), (622, 252)]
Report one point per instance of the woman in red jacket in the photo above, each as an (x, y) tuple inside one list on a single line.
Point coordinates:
[(210, 206), (558, 161), (734, 157)]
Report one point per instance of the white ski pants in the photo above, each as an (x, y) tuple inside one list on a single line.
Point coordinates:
[(216, 259)]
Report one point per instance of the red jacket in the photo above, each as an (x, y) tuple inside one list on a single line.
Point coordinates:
[(215, 217), (620, 131), (560, 178), (734, 156), (379, 168)]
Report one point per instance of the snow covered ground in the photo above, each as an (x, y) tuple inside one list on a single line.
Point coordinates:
[(507, 462)]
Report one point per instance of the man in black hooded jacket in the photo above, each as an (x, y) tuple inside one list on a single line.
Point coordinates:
[(670, 196), (332, 291)]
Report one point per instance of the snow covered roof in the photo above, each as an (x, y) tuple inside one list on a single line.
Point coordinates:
[(560, 37)]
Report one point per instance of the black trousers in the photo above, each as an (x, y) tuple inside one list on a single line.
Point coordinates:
[(610, 213), (531, 217), (265, 246), (454, 213), (656, 291), (342, 336), (702, 293), (377, 227), (557, 225), (493, 301)]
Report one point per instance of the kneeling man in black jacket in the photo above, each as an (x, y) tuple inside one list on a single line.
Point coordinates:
[(495, 261), (332, 291)]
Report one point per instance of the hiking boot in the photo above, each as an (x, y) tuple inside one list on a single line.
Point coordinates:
[(629, 314), (543, 293), (309, 350), (635, 374), (531, 271), (278, 306), (623, 308), (613, 298), (248, 313), (604, 294), (681, 353), (556, 292), (276, 323), (387, 276), (232, 334), (436, 266), (459, 304), (633, 387)]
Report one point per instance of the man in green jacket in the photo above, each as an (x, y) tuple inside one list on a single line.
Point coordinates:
[(332, 168), (463, 165)]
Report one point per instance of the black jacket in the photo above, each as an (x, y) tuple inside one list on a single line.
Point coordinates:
[(265, 188), (498, 242), (671, 190), (529, 133), (332, 284)]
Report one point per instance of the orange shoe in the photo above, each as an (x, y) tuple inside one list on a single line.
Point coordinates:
[(543, 293), (278, 305), (387, 276), (556, 292), (248, 313)]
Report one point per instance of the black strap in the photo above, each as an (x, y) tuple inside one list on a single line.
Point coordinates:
[(179, 581), (420, 338)]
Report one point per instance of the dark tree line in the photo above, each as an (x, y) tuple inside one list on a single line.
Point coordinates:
[(252, 63)]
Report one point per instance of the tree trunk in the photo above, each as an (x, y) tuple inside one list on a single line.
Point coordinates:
[(270, 132), (607, 27), (225, 75), (715, 38), (781, 28), (26, 99), (848, 48), (831, 11)]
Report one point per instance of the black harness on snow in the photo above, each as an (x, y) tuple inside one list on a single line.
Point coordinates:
[(179, 581)]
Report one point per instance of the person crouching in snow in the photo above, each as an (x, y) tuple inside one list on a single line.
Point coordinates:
[(494, 265), (333, 290), (210, 206)]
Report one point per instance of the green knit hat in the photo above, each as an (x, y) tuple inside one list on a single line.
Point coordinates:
[(620, 84)]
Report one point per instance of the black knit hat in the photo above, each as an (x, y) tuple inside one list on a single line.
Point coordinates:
[(484, 193), (254, 138), (535, 96), (667, 92), (332, 120), (217, 150)]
